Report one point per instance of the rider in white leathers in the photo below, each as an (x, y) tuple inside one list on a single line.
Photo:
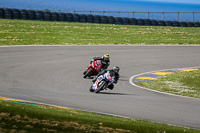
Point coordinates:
[(113, 74)]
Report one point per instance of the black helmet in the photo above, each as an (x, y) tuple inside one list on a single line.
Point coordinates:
[(116, 69)]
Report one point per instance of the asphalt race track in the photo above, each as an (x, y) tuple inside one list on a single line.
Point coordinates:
[(53, 75)]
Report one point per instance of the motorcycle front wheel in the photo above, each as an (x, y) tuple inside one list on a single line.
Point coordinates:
[(91, 89), (100, 87), (87, 74)]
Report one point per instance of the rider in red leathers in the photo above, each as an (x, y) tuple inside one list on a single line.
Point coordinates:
[(96, 65), (105, 60)]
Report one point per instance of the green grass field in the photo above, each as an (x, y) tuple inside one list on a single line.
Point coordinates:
[(16, 117), (25, 32), (180, 83)]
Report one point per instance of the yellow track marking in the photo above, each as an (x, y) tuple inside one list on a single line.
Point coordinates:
[(187, 70), (6, 99), (20, 101), (146, 78), (161, 73)]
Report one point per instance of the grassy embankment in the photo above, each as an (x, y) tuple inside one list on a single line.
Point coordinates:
[(24, 32), (16, 117), (179, 83)]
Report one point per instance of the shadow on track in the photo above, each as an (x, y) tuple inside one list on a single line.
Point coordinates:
[(89, 78), (110, 93)]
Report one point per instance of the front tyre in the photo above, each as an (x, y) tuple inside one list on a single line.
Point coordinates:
[(91, 89), (87, 74), (100, 87)]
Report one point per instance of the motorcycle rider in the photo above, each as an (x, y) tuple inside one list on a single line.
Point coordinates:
[(114, 73), (105, 60)]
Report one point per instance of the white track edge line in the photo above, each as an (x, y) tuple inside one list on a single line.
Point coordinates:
[(103, 45), (100, 113), (134, 76)]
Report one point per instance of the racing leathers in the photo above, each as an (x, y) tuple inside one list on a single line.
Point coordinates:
[(114, 76), (105, 63)]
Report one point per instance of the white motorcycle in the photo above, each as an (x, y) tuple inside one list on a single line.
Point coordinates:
[(101, 83)]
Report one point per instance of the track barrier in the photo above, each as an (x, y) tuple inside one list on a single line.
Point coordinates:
[(23, 14)]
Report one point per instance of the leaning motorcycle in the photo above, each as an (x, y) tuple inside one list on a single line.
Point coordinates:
[(93, 69), (101, 83)]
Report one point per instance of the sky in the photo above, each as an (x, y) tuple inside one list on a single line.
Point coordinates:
[(178, 1)]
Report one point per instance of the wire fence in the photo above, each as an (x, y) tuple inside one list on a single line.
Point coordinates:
[(171, 16)]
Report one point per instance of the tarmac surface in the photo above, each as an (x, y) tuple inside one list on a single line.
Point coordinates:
[(53, 75)]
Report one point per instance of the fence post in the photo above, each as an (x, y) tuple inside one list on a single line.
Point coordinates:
[(133, 14), (103, 13), (148, 15)]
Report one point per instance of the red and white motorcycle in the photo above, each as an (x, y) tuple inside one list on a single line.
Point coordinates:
[(93, 69)]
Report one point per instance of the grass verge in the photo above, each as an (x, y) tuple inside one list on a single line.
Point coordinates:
[(15, 117), (26, 32), (179, 83)]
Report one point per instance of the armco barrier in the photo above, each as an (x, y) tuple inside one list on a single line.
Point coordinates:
[(76, 18), (89, 18), (117, 20), (111, 20), (161, 23), (175, 23), (168, 23), (86, 18), (8, 14), (47, 16), (154, 22), (31, 15), (140, 21), (104, 19), (190, 24), (54, 16), (196, 24), (69, 17), (147, 22), (39, 15), (1, 13), (97, 19), (83, 18), (16, 14), (133, 21), (125, 21), (183, 24), (23, 14), (61, 17)]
